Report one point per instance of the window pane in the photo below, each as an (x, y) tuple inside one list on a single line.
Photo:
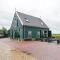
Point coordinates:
[(45, 34), (29, 34), (38, 34), (17, 22)]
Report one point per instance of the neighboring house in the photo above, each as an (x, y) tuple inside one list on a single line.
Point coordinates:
[(27, 27)]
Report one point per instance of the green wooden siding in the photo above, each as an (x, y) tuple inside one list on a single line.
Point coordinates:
[(16, 30), (19, 31), (34, 31)]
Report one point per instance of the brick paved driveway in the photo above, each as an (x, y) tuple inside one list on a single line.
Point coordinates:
[(40, 50)]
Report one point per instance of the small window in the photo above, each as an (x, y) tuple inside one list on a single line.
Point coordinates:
[(28, 21), (17, 22)]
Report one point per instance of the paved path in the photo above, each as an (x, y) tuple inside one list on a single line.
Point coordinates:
[(9, 52), (37, 49)]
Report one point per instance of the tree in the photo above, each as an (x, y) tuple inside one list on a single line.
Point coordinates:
[(5, 32)]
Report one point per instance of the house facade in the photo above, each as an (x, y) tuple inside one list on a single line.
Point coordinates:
[(27, 27)]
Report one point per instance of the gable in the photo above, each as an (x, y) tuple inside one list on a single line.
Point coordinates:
[(16, 22)]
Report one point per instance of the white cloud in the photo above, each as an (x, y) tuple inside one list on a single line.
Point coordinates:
[(49, 10)]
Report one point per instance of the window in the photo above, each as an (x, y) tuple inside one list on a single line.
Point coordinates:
[(17, 22), (29, 34), (27, 20), (45, 34), (19, 29), (38, 34)]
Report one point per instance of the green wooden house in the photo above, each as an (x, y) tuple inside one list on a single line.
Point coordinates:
[(28, 27)]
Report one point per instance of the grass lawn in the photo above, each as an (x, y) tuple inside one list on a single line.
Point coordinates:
[(56, 35)]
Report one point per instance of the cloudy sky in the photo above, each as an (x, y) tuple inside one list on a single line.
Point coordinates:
[(47, 10)]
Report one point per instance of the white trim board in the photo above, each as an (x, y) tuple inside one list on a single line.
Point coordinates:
[(19, 18)]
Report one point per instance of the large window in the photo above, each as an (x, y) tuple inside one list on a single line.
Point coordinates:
[(29, 34), (38, 34)]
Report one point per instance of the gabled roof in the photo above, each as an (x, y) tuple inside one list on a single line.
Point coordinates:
[(28, 20)]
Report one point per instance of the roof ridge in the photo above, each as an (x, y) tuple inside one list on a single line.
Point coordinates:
[(28, 15)]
